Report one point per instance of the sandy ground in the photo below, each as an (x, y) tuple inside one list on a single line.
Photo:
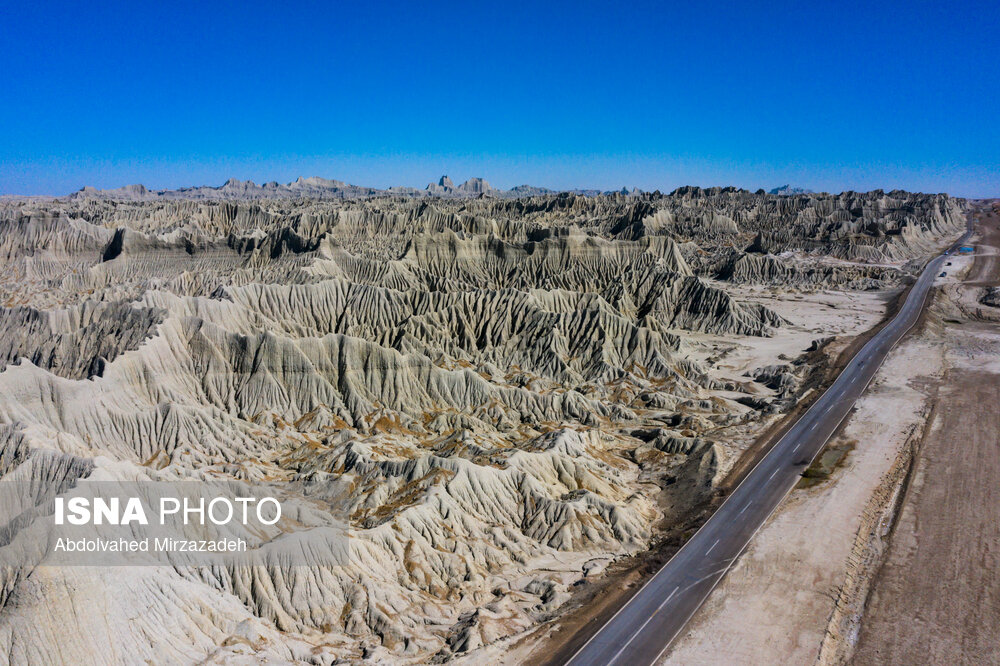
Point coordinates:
[(811, 316), (775, 604), (940, 574)]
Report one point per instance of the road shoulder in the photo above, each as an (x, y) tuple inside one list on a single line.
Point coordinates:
[(776, 604), (801, 591), (940, 568)]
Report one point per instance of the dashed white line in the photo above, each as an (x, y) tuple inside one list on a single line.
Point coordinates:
[(712, 547), (773, 473), (746, 507), (639, 630)]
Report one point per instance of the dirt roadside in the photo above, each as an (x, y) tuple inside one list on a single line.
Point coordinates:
[(798, 592), (778, 601), (936, 598), (822, 376)]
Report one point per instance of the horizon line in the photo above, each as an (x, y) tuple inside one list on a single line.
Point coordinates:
[(457, 186)]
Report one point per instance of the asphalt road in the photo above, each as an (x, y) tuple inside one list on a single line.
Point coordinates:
[(644, 627)]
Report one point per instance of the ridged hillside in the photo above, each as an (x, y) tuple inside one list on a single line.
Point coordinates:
[(496, 391)]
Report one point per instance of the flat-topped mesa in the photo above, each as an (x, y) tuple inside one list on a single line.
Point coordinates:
[(315, 182), (136, 192), (446, 188), (475, 186)]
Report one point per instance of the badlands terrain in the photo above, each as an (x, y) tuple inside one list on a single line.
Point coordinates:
[(510, 396), (890, 556)]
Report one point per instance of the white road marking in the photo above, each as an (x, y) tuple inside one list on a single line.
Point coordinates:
[(813, 427), (773, 473), (796, 447), (639, 630), (712, 547), (746, 507)]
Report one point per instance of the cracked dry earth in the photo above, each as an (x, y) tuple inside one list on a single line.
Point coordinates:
[(494, 392)]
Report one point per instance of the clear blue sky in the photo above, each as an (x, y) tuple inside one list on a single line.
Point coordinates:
[(830, 96)]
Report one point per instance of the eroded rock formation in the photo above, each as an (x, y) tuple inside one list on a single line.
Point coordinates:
[(494, 390)]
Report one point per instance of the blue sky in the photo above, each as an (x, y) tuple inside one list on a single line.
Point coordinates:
[(830, 96)]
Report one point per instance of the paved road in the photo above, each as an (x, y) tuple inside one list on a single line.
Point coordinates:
[(642, 630)]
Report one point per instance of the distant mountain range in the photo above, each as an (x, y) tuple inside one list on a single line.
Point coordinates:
[(325, 188), (788, 190)]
